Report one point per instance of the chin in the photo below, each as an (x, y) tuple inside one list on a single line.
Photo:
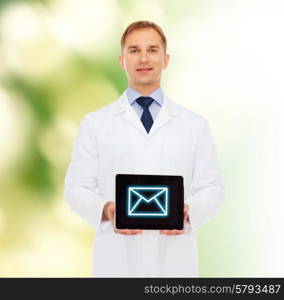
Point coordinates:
[(146, 81)]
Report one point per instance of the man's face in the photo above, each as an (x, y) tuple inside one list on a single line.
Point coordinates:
[(143, 58)]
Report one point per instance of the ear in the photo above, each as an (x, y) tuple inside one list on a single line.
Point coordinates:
[(121, 61), (166, 60)]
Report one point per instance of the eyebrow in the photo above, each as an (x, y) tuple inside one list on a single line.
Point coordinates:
[(136, 46)]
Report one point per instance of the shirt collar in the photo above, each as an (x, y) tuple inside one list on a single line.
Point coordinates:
[(157, 95)]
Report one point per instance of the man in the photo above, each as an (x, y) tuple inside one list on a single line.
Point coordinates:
[(143, 132)]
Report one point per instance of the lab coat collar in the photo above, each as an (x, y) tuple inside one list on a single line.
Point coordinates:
[(168, 111)]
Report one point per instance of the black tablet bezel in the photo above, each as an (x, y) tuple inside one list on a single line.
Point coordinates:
[(176, 196)]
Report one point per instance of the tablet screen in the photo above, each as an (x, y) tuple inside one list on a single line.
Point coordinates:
[(149, 201)]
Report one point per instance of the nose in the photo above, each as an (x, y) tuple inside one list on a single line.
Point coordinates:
[(144, 57)]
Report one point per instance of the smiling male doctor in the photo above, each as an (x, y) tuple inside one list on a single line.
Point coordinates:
[(143, 132)]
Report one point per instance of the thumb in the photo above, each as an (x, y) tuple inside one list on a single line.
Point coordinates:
[(111, 209), (186, 214), (111, 213)]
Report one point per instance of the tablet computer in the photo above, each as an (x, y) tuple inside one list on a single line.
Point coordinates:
[(149, 202)]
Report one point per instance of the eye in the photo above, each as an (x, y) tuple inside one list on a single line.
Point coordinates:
[(133, 51), (153, 50)]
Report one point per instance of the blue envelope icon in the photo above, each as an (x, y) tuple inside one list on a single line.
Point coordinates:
[(148, 201)]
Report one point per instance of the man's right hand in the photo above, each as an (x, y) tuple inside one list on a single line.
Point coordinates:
[(108, 214)]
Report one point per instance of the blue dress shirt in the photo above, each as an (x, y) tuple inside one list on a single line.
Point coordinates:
[(154, 108)]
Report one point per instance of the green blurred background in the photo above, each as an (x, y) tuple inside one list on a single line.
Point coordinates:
[(59, 60)]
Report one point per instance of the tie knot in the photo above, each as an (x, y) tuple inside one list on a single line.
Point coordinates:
[(145, 102)]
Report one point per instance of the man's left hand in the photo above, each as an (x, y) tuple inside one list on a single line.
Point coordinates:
[(185, 219)]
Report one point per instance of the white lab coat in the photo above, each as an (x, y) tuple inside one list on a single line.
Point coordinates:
[(112, 140)]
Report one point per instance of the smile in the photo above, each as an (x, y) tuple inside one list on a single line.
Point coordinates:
[(144, 70)]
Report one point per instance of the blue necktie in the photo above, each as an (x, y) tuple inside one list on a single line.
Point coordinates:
[(146, 117)]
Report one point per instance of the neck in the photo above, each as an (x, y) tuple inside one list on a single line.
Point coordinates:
[(144, 90)]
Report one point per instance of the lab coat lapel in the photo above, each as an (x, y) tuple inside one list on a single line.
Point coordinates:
[(128, 113), (131, 117), (162, 117)]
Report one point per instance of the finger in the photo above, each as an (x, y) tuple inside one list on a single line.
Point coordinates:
[(185, 217), (129, 231), (122, 231), (111, 216), (112, 209), (135, 231), (167, 232), (186, 213), (178, 232), (175, 231), (119, 231)]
